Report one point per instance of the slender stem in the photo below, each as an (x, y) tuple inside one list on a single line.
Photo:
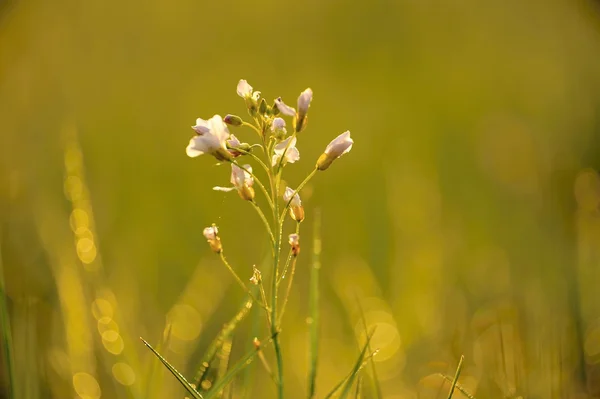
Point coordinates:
[(300, 187), (257, 159), (265, 221), (257, 180), (289, 289), (241, 283), (264, 298), (250, 125), (266, 366)]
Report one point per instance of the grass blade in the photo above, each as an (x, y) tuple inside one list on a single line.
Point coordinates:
[(458, 386), (189, 387), (224, 334), (376, 386), (314, 307), (223, 355), (455, 381), (154, 380), (239, 366), (358, 388), (5, 330), (349, 379)]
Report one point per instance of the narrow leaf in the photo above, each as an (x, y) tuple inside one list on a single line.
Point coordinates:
[(154, 380), (347, 381), (455, 381), (5, 330), (376, 386), (314, 306), (358, 388), (239, 366), (189, 387), (224, 334)]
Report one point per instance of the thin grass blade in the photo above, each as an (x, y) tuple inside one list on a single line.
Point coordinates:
[(154, 380), (314, 306), (347, 381), (375, 380), (5, 330), (458, 386), (224, 334), (358, 388), (455, 381), (189, 387), (224, 355), (239, 366)]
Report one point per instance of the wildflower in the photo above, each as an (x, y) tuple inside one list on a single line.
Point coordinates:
[(294, 240), (256, 276), (278, 125), (212, 237), (339, 146), (242, 181), (245, 91), (296, 208), (303, 103), (287, 146), (211, 139), (284, 109)]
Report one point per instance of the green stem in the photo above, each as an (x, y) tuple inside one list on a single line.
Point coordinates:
[(300, 187), (257, 159), (289, 258), (241, 283), (257, 180), (265, 221), (289, 289), (251, 126)]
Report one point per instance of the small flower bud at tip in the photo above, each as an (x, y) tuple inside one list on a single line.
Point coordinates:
[(294, 240), (233, 120)]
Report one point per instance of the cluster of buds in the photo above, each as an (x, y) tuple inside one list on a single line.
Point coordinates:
[(296, 208), (212, 237), (294, 240)]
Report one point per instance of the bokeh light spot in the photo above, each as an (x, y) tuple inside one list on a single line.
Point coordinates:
[(112, 342), (86, 386), (123, 373), (185, 321), (79, 220), (102, 308)]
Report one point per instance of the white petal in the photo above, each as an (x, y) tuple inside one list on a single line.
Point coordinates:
[(192, 149), (304, 101), (233, 141), (224, 189), (275, 159), (339, 146), (202, 126), (243, 88), (219, 129), (280, 148), (284, 109), (278, 124), (287, 195), (292, 155), (210, 233)]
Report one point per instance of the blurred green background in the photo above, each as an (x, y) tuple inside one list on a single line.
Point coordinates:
[(465, 218)]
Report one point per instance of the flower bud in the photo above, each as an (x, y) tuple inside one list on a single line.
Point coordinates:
[(212, 237), (233, 120), (339, 146), (256, 276), (274, 109), (303, 103), (256, 343), (294, 240), (262, 108)]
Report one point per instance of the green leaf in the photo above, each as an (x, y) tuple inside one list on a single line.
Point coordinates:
[(455, 381), (189, 387), (314, 306), (375, 381), (239, 366), (154, 380), (224, 334), (5, 330), (349, 379)]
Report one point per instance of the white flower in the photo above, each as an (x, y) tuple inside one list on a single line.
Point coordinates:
[(304, 102), (211, 139), (278, 124), (210, 233), (233, 142), (294, 239), (284, 109), (288, 195), (244, 89), (339, 146), (239, 179), (291, 155)]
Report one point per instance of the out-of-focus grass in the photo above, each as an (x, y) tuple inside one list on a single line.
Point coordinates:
[(466, 218)]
